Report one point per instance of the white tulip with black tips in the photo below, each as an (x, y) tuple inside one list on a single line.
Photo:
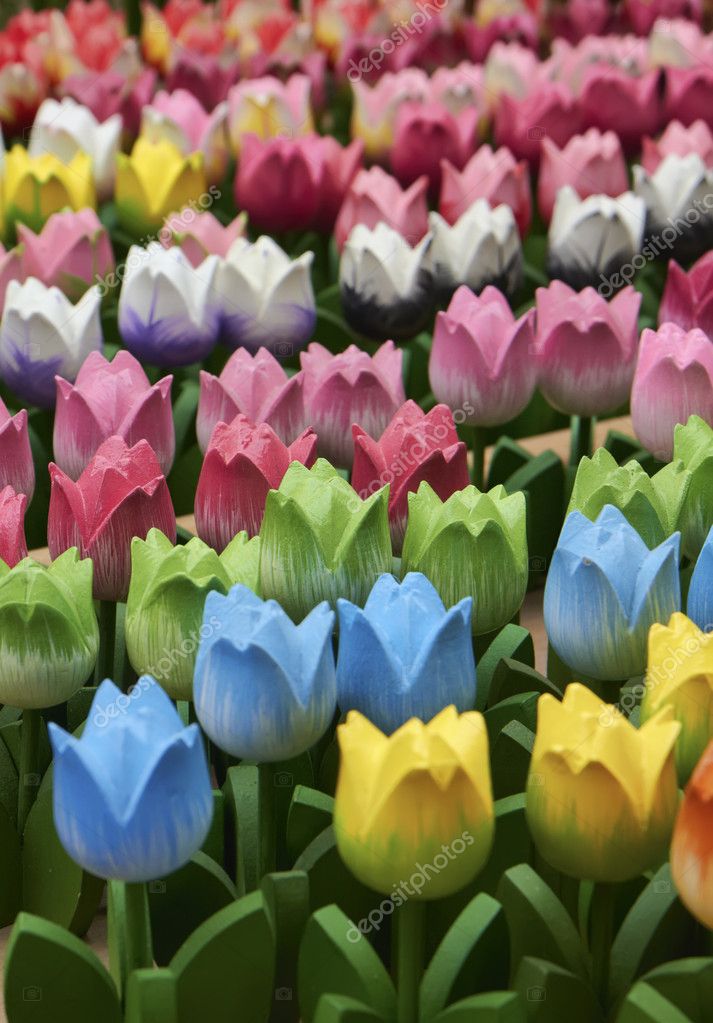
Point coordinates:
[(592, 240), (679, 204), (385, 284), (482, 247)]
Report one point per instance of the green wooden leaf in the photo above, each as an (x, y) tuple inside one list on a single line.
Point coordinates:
[(539, 924), (644, 1004), (341, 1009), (469, 959), (552, 993), (78, 707), (310, 813), (508, 456), (10, 869), (53, 885), (53, 977), (336, 957), (151, 997), (510, 755), (511, 678), (225, 970), (656, 928), (181, 902), (513, 641), (214, 845), (543, 481), (493, 1007), (688, 983), (512, 844), (522, 708), (331, 882), (287, 900)]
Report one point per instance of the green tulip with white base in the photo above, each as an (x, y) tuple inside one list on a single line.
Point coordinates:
[(49, 636), (472, 544), (693, 444), (321, 541), (651, 504), (164, 609)]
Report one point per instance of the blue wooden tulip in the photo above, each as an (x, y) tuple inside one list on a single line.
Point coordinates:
[(700, 593), (132, 796), (604, 590), (264, 688), (404, 655)]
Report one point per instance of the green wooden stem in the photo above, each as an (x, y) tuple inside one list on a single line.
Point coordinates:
[(107, 642), (410, 940), (478, 448), (268, 818), (29, 765), (601, 931), (133, 17), (581, 433), (139, 952)]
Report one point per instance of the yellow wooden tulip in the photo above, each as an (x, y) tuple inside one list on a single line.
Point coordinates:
[(413, 813), (155, 181), (601, 794), (680, 675), (692, 844), (34, 187)]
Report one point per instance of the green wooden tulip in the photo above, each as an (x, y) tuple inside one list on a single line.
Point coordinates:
[(321, 541), (49, 636), (652, 505), (164, 609), (473, 544), (693, 444)]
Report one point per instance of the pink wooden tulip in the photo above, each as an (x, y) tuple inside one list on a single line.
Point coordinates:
[(111, 399), (340, 166), (641, 14), (11, 269), (13, 546), (425, 134), (493, 175), (16, 466), (201, 234), (628, 104), (592, 163), (376, 196), (278, 184), (257, 386), (113, 93), (481, 362), (586, 348), (180, 118), (71, 251), (243, 462), (351, 387), (678, 140), (205, 75), (549, 111), (688, 297), (121, 494), (415, 446), (689, 93), (674, 380)]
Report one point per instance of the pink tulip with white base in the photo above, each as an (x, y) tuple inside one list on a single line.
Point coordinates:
[(673, 380), (490, 174), (352, 387), (481, 361), (257, 386), (111, 399), (201, 234), (592, 163), (71, 251), (688, 297), (678, 140), (16, 466), (585, 348), (243, 462)]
